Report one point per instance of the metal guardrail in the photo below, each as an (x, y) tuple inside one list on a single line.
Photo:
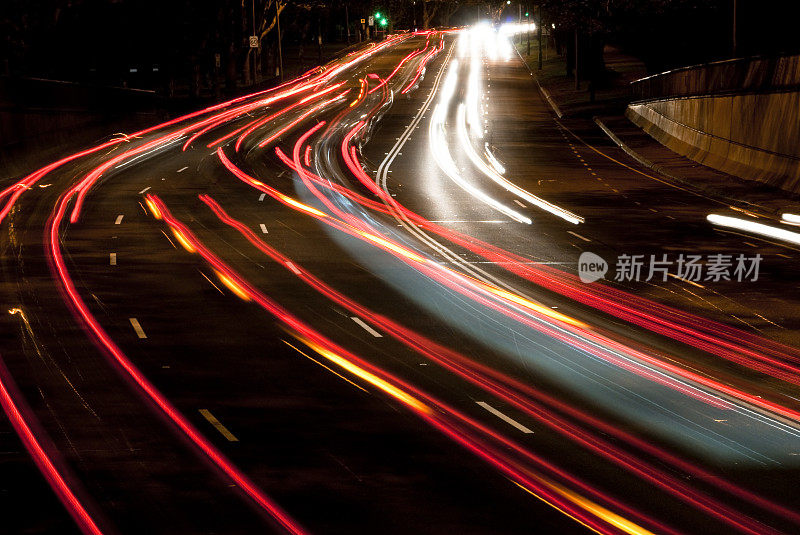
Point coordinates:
[(744, 75)]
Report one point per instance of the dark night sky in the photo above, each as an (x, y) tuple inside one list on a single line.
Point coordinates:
[(102, 40)]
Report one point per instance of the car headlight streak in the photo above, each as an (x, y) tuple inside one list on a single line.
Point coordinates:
[(470, 125), (441, 152), (755, 228), (502, 182)]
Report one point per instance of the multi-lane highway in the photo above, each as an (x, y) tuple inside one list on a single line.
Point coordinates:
[(351, 303)]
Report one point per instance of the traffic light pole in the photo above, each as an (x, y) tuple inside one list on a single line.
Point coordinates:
[(528, 29)]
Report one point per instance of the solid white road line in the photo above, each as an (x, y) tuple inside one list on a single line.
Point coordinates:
[(112, 259), (119, 219), (264, 228), (261, 197), (218, 425), (144, 190), (503, 417), (137, 328), (578, 235), (366, 327), (181, 170)]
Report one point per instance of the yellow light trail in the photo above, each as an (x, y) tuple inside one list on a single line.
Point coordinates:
[(153, 208), (369, 377), (232, 286), (531, 305), (301, 206), (183, 241)]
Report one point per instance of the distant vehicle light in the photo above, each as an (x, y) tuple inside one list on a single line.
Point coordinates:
[(791, 218)]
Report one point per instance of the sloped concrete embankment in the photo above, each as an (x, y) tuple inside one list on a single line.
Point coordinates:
[(741, 117)]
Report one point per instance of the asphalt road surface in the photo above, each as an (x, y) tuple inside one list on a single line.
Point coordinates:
[(351, 304)]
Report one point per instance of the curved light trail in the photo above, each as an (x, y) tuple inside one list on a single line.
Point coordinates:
[(624, 396)]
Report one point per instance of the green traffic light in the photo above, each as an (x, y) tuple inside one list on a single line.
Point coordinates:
[(526, 14), (383, 22), (377, 14)]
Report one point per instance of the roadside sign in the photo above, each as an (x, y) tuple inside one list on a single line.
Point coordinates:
[(217, 61), (371, 20), (253, 41), (363, 21)]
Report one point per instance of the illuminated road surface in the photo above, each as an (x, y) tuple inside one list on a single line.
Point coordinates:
[(350, 304)]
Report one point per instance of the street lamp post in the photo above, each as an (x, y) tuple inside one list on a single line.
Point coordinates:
[(577, 73), (255, 51), (734, 45), (278, 24), (539, 35)]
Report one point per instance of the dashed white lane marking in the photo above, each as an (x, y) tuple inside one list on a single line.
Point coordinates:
[(112, 259), (519, 203), (503, 417), (144, 190), (293, 268), (119, 219), (137, 328), (261, 197), (182, 169), (578, 235), (218, 425), (264, 228), (366, 327)]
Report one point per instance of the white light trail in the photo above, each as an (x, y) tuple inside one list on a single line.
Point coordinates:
[(441, 153), (755, 228), (508, 186)]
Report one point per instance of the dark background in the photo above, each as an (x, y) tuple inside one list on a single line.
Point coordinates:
[(170, 45)]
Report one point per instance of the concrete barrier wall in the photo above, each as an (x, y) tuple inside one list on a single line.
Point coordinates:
[(41, 119), (751, 131), (751, 75)]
